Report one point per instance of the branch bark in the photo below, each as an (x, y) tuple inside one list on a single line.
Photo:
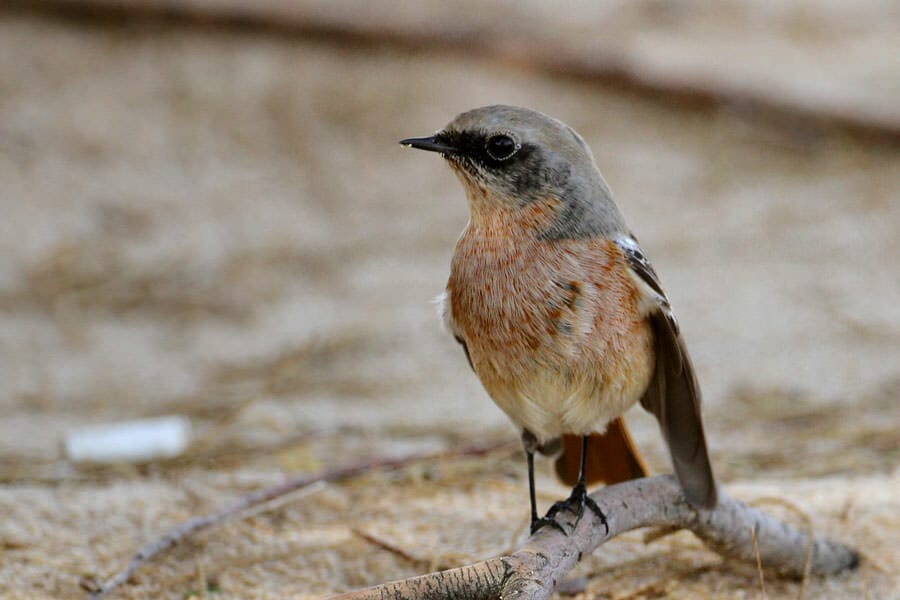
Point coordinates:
[(532, 572)]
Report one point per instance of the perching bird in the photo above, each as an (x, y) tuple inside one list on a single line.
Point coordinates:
[(558, 310)]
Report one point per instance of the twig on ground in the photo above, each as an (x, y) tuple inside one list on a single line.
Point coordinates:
[(254, 499), (531, 573), (389, 547)]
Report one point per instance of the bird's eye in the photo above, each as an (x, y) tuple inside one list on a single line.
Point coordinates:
[(501, 147)]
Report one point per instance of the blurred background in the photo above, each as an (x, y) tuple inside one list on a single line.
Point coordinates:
[(205, 212)]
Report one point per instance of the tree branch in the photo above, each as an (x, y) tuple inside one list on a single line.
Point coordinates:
[(532, 572)]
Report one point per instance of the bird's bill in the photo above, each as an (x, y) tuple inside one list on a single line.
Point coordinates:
[(432, 144)]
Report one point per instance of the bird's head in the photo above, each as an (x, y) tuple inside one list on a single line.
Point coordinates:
[(509, 158)]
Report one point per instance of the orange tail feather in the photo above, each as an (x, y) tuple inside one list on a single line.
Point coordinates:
[(612, 457)]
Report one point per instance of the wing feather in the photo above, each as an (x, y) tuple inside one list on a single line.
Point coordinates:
[(673, 394)]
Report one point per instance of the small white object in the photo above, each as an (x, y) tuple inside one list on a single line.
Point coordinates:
[(129, 441)]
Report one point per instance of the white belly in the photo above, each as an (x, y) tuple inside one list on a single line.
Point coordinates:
[(550, 404)]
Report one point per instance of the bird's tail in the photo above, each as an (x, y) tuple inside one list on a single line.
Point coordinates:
[(612, 457)]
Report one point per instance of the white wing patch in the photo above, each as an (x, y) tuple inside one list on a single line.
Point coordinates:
[(653, 298)]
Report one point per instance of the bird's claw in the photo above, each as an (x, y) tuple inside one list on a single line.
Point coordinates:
[(576, 504), (548, 521)]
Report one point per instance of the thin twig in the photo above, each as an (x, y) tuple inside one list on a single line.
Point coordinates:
[(198, 524), (389, 547)]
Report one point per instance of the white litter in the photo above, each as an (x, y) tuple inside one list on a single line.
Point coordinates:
[(129, 441)]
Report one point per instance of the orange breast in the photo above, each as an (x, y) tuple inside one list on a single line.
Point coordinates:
[(549, 318)]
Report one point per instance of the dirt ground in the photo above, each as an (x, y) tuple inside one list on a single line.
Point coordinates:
[(220, 224)]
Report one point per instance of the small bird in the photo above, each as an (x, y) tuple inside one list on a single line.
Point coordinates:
[(558, 310)]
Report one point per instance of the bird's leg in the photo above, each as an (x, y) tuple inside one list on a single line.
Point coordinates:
[(530, 443), (579, 498), (530, 457)]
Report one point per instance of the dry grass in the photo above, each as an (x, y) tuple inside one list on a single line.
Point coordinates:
[(839, 438), (100, 276)]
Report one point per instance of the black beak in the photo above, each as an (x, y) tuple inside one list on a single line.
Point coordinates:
[(433, 143)]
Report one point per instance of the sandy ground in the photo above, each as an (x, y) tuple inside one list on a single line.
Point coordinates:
[(222, 225)]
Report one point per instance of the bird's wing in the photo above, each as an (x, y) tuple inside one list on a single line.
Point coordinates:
[(673, 394)]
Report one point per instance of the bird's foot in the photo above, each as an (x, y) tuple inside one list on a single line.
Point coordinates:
[(575, 504), (548, 521)]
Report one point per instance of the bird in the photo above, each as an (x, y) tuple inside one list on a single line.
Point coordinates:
[(558, 310)]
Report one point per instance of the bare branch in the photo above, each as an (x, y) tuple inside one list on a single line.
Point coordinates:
[(532, 572), (255, 499)]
